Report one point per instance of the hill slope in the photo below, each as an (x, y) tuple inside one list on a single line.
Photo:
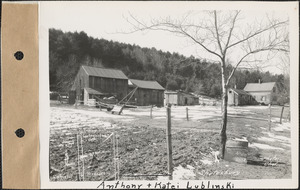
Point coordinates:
[(68, 51)]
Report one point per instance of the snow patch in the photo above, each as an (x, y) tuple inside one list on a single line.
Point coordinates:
[(207, 162), (264, 146), (274, 137), (181, 173), (266, 139), (282, 127)]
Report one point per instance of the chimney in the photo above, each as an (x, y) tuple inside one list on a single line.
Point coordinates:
[(235, 86), (259, 81)]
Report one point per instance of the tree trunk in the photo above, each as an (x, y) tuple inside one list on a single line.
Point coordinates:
[(224, 111)]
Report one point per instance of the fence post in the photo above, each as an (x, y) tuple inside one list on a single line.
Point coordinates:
[(76, 103), (78, 165), (114, 154), (269, 117), (187, 113), (81, 136), (117, 158), (281, 114), (169, 143), (151, 111)]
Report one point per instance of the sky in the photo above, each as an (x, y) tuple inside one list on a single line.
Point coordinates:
[(108, 19)]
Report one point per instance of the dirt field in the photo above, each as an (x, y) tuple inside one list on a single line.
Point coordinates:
[(142, 143)]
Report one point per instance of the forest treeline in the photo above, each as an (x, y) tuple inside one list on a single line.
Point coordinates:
[(69, 50)]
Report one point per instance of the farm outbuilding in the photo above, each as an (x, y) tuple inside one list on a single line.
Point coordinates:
[(147, 92), (91, 82), (239, 97), (180, 98), (263, 93)]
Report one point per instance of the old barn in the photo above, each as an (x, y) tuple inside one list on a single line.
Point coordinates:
[(147, 93), (180, 98), (91, 82), (239, 97), (264, 93)]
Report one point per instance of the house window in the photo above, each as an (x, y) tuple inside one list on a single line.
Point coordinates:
[(263, 98)]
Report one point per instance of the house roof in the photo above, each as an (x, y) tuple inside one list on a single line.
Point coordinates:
[(259, 87), (146, 84), (104, 72), (238, 91)]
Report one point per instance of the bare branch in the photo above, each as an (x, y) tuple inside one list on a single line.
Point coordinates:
[(171, 27), (210, 51), (230, 31), (215, 36), (217, 32), (257, 33), (245, 56)]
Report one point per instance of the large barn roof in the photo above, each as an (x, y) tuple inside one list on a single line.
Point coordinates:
[(146, 84), (103, 72), (259, 87)]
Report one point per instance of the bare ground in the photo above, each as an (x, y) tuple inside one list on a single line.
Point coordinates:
[(142, 143)]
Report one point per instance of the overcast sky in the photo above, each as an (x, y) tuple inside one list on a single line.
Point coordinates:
[(106, 19)]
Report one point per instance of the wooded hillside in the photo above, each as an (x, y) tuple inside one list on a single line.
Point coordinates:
[(68, 51)]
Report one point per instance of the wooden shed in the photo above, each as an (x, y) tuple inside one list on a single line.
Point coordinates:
[(239, 97), (147, 93), (91, 82), (180, 98)]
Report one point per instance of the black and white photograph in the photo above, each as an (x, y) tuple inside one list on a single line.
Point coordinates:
[(167, 92)]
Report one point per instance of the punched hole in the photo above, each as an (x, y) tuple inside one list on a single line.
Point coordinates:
[(20, 133), (19, 55)]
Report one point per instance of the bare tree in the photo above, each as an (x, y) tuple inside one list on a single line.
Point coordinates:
[(226, 36), (284, 64)]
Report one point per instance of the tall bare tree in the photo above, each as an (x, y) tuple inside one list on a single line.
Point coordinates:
[(228, 36)]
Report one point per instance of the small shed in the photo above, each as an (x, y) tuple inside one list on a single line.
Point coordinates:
[(147, 93), (239, 97), (180, 98)]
